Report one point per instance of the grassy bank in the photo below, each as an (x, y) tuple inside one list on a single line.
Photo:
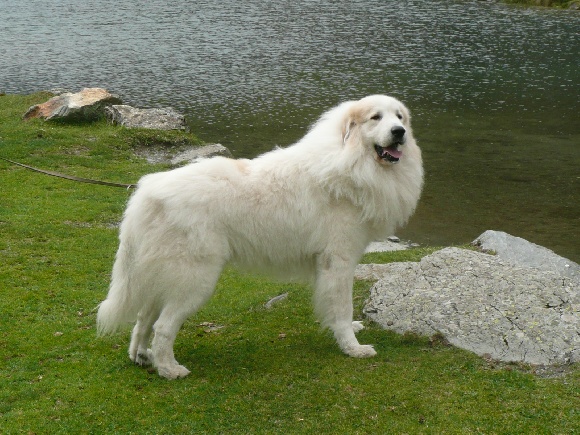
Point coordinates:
[(253, 370)]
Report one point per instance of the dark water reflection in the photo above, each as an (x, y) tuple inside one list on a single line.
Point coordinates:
[(493, 89)]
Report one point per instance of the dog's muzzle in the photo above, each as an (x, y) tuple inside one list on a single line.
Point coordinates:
[(392, 153)]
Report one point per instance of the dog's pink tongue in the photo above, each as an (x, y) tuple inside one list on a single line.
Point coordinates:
[(394, 152)]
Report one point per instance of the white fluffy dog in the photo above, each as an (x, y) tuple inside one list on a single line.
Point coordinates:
[(308, 211)]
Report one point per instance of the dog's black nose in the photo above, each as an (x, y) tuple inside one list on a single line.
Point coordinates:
[(398, 132)]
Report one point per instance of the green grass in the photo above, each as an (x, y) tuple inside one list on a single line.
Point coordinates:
[(264, 371)]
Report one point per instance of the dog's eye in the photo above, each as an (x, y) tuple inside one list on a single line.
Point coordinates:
[(399, 116), (377, 117)]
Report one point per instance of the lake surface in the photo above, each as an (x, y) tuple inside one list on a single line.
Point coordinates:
[(494, 90)]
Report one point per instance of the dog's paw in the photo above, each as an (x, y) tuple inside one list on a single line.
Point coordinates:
[(143, 359), (173, 371), (357, 326), (360, 351)]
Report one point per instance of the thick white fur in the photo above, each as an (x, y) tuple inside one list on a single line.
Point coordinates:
[(307, 211)]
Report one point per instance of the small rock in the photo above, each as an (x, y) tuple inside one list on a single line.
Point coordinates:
[(209, 327), (268, 305), (88, 104), (385, 246), (393, 239), (205, 151), (159, 119), (180, 154)]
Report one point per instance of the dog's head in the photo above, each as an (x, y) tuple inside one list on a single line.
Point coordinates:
[(380, 125)]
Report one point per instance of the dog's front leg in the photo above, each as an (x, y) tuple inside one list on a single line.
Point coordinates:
[(333, 303)]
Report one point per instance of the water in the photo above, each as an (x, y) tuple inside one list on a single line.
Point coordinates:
[(494, 90)]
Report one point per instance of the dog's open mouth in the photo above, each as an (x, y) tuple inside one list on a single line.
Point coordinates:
[(389, 154)]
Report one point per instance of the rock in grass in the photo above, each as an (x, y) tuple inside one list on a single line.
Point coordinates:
[(386, 245), (268, 305), (482, 303), (88, 104), (158, 119)]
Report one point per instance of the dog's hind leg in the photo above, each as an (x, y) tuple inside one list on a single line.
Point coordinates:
[(166, 329), (191, 290), (333, 303), (138, 349)]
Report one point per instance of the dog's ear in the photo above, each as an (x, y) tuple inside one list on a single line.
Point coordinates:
[(351, 125), (348, 127)]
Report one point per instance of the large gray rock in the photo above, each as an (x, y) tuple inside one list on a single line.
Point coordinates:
[(520, 252), (87, 104), (159, 119), (482, 303)]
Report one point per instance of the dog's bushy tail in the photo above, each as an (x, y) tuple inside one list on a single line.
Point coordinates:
[(121, 306)]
